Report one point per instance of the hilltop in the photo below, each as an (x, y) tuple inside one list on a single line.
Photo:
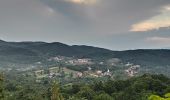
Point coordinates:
[(24, 54)]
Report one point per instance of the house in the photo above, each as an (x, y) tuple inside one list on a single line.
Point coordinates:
[(39, 73), (53, 70), (108, 73), (79, 74), (99, 72)]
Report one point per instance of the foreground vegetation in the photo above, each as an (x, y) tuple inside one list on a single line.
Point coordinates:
[(145, 87)]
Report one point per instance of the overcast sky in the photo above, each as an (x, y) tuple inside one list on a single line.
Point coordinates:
[(112, 24)]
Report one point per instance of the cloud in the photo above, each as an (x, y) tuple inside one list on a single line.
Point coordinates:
[(156, 22), (159, 40), (80, 21), (82, 1), (107, 16)]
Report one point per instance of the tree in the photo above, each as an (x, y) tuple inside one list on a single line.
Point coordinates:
[(1, 87), (103, 96), (55, 94), (156, 97), (76, 98), (86, 92), (98, 86)]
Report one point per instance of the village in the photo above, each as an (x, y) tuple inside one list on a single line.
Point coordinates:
[(132, 70), (64, 72)]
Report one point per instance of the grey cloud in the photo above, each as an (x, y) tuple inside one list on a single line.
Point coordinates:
[(110, 16), (76, 24)]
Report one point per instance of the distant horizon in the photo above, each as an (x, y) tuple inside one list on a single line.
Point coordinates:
[(166, 48), (112, 24)]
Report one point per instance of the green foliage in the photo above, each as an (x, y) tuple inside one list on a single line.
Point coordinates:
[(1, 87), (167, 95), (76, 98), (156, 97), (86, 92), (136, 88), (55, 94), (103, 96)]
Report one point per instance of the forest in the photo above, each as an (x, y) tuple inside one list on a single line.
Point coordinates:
[(145, 87)]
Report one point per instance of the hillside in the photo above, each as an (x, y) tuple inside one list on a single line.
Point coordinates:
[(32, 52)]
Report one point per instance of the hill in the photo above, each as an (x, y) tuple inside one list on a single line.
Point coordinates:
[(28, 53)]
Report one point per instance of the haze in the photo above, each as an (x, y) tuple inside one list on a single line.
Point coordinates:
[(112, 24)]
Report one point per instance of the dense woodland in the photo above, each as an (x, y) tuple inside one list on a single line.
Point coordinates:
[(145, 87), (20, 85)]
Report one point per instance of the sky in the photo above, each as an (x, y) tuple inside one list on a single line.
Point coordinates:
[(112, 24)]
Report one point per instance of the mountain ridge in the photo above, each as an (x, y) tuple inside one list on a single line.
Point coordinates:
[(31, 52)]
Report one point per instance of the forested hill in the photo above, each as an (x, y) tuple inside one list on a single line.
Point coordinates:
[(31, 52), (48, 49), (145, 87)]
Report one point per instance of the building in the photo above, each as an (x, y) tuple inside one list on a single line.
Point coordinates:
[(53, 70), (79, 74), (108, 73), (39, 73)]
